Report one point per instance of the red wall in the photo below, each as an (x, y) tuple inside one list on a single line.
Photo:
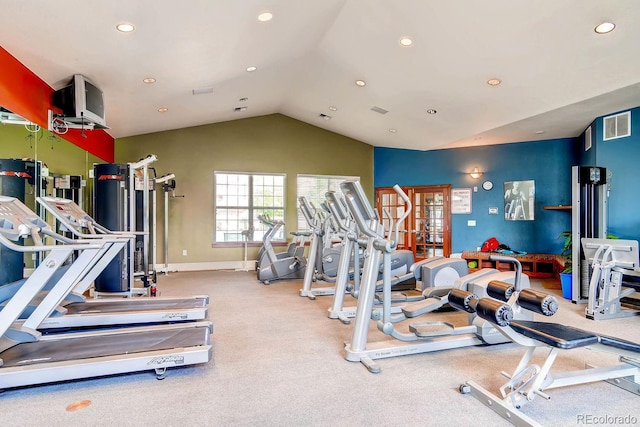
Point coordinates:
[(27, 95)]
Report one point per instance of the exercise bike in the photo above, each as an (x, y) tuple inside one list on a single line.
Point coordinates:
[(295, 248)]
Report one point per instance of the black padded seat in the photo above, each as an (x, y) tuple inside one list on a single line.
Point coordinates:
[(634, 283), (620, 343), (554, 334)]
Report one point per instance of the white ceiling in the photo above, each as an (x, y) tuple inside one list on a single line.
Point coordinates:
[(557, 73)]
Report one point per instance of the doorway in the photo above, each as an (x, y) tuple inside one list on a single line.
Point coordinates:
[(427, 231)]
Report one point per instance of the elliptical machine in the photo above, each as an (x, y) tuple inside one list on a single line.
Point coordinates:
[(273, 266), (423, 336), (323, 256)]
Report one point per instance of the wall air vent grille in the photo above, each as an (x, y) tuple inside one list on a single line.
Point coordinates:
[(202, 91), (617, 126), (587, 139)]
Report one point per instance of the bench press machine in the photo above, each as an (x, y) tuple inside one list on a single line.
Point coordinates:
[(529, 380)]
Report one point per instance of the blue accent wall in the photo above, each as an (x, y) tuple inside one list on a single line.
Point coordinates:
[(548, 163), (621, 157)]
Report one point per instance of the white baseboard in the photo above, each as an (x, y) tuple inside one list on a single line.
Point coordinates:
[(194, 266), (214, 265)]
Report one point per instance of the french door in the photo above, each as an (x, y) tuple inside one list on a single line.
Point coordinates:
[(427, 231)]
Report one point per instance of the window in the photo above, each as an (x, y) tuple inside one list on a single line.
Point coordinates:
[(240, 198), (314, 187)]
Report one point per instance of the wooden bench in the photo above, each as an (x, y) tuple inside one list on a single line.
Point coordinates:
[(539, 266)]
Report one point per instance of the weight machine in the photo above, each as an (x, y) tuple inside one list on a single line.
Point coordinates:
[(68, 187), (122, 203), (615, 278), (588, 220), (22, 179), (168, 184)]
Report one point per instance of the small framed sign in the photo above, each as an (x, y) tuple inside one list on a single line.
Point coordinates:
[(461, 201)]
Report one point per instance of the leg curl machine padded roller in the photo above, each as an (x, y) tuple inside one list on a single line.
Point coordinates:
[(489, 309), (500, 290)]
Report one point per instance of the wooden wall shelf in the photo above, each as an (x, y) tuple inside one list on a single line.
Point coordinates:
[(558, 208)]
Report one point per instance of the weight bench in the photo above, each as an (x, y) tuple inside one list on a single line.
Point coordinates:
[(529, 380)]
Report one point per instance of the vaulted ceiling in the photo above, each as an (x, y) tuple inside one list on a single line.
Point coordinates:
[(557, 74)]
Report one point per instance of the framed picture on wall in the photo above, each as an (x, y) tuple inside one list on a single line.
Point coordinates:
[(461, 201), (519, 200)]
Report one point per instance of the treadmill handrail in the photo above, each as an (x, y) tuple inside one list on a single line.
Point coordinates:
[(85, 220), (27, 249)]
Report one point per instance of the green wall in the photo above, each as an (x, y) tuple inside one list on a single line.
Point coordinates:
[(62, 157), (272, 143)]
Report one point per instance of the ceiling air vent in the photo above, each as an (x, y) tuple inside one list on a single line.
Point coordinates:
[(240, 109), (617, 126), (379, 110), (324, 116), (202, 91)]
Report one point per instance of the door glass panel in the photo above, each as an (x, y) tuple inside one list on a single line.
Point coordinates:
[(429, 221), (426, 232)]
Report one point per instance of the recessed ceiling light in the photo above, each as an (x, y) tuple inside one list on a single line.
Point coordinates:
[(604, 28), (125, 27), (431, 111), (539, 132), (265, 16), (251, 69), (393, 130), (361, 83), (163, 109), (494, 82), (149, 80), (406, 41), (332, 108)]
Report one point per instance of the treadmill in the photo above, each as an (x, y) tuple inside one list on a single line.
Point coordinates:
[(27, 357), (77, 311)]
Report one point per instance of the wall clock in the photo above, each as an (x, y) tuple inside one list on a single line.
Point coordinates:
[(487, 185)]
